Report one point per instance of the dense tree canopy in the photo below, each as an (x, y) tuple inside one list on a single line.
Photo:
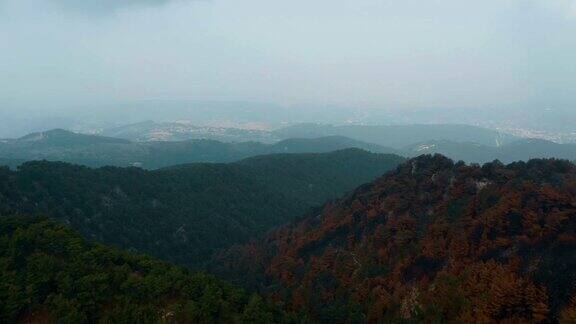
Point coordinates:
[(434, 241), (50, 274), (183, 214)]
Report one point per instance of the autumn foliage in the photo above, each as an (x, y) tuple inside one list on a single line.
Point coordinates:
[(433, 241)]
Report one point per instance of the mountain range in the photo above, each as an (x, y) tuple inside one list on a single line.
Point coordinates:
[(97, 151), (399, 136), (395, 136), (430, 240)]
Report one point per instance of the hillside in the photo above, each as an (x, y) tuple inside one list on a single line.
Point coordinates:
[(182, 214), (98, 151), (49, 274), (433, 241), (399, 136)]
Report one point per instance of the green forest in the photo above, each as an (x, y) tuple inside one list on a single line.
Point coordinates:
[(429, 241), (183, 214), (50, 274)]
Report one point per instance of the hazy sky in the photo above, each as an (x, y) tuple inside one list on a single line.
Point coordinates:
[(449, 53)]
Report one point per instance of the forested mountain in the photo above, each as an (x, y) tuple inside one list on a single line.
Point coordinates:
[(399, 136), (182, 214), (97, 151), (431, 242), (521, 150), (49, 274)]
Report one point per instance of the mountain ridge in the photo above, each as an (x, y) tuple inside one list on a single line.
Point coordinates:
[(183, 214), (97, 151), (398, 136)]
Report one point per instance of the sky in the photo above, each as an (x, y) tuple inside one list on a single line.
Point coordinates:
[(386, 53)]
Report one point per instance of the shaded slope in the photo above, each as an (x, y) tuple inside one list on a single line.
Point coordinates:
[(49, 274), (183, 214)]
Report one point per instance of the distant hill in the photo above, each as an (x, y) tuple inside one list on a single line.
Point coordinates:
[(183, 131), (432, 242), (53, 140), (183, 214), (61, 137), (50, 274), (399, 136), (468, 151), (522, 150), (60, 144), (326, 144), (97, 151), (536, 148)]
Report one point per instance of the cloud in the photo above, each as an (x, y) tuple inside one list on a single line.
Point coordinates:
[(405, 52)]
